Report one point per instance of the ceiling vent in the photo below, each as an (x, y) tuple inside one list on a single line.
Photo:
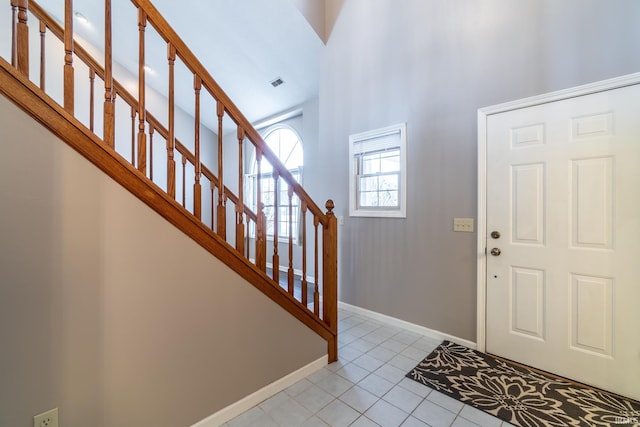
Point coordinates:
[(277, 82)]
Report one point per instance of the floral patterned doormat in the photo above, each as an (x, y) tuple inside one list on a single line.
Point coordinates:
[(518, 395)]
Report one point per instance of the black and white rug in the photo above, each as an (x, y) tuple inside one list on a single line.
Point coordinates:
[(518, 395)]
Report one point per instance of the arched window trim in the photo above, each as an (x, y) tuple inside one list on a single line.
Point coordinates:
[(267, 179), (265, 134)]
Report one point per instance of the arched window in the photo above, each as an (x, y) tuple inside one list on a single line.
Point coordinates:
[(286, 144)]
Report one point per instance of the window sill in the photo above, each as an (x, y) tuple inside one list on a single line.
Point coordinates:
[(377, 214), (281, 240)]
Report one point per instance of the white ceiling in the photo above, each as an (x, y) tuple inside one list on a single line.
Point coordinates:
[(243, 43)]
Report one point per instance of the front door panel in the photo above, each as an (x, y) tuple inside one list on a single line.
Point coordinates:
[(563, 192)]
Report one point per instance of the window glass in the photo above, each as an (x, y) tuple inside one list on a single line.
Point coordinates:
[(286, 144), (378, 172)]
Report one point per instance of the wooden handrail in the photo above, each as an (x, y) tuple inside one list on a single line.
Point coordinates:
[(322, 316), (127, 97), (163, 132), (195, 66)]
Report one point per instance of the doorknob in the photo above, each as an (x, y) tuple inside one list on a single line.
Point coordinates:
[(495, 234), (495, 251)]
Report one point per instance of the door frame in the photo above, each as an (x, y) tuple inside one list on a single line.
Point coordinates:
[(483, 116)]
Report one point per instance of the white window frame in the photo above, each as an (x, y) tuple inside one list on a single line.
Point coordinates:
[(251, 181), (390, 137), (283, 237)]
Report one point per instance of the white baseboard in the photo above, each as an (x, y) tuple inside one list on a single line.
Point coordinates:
[(392, 321), (235, 409)]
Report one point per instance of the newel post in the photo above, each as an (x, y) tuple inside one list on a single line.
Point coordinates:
[(330, 278)]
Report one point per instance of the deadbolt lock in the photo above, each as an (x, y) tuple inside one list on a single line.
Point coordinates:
[(495, 234)]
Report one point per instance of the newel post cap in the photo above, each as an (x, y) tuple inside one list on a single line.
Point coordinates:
[(329, 205)]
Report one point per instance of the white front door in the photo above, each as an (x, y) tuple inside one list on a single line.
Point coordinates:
[(563, 281)]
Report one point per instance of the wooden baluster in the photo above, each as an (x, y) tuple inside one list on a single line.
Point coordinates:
[(290, 275), (260, 238), (276, 208), (184, 181), (316, 293), (109, 95), (43, 31), (222, 210), (14, 38), (142, 111), (240, 204), (304, 253), (262, 219), (197, 187), (22, 37), (330, 278), (171, 140), (92, 78), (133, 136), (248, 239), (151, 130), (68, 57), (212, 185)]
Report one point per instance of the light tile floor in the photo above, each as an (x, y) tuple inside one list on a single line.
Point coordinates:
[(367, 386)]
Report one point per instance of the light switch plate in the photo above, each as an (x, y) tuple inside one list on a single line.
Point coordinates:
[(463, 224)]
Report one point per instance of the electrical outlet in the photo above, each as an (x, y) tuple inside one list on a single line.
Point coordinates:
[(463, 224), (46, 419)]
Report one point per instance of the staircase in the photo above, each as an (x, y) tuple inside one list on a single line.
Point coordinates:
[(198, 198)]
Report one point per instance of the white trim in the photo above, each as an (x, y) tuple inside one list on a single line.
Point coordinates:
[(235, 409), (481, 227), (279, 117), (601, 86), (393, 321), (483, 115)]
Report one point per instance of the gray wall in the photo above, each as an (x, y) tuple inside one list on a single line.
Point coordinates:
[(432, 64), (110, 313)]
